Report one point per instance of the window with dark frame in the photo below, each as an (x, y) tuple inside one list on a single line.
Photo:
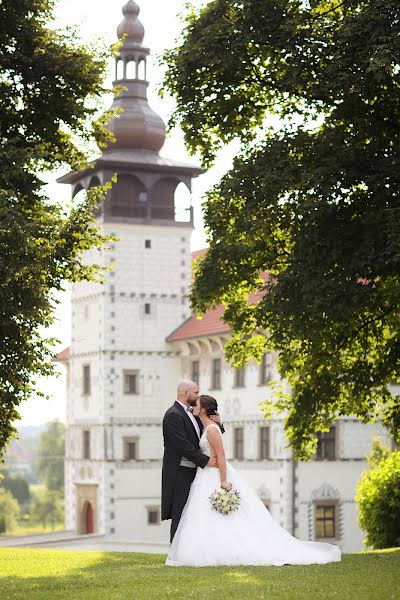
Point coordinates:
[(240, 376), (326, 445), (153, 516), (131, 382), (216, 374), (86, 444), (264, 443), (325, 521), (147, 309), (195, 371), (130, 449), (238, 443), (86, 380), (265, 375)]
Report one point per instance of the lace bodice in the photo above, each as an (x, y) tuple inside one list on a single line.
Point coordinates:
[(204, 444)]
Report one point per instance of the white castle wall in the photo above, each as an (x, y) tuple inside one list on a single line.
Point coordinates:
[(112, 333)]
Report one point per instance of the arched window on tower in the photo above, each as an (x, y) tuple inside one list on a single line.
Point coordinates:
[(129, 198), (130, 69), (95, 182), (79, 195), (78, 189), (182, 203), (163, 197), (142, 69), (119, 69)]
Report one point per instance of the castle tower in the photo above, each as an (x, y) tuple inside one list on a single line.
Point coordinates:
[(122, 372)]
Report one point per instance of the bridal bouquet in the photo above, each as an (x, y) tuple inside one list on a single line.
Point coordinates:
[(225, 501)]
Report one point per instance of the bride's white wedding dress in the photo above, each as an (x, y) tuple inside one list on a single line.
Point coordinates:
[(248, 536)]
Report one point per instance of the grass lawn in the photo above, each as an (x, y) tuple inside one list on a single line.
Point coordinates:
[(47, 574)]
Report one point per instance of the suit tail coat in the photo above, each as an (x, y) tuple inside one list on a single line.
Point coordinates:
[(180, 440)]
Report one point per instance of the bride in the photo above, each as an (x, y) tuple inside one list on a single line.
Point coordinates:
[(247, 536)]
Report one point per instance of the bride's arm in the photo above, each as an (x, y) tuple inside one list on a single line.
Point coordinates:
[(215, 440)]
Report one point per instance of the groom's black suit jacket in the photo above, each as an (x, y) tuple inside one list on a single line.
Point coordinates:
[(180, 439)]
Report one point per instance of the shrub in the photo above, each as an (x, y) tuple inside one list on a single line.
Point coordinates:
[(378, 498)]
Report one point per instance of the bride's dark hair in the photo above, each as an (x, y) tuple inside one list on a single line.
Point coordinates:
[(210, 404)]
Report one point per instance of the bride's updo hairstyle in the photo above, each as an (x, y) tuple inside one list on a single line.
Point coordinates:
[(210, 404)]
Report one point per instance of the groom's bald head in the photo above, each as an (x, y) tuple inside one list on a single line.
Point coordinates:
[(187, 392)]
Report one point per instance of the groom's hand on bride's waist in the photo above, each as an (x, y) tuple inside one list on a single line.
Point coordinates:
[(212, 462)]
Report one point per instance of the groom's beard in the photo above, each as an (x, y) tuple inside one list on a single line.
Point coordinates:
[(192, 402)]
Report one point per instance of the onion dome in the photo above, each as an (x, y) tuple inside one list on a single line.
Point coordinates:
[(130, 28)]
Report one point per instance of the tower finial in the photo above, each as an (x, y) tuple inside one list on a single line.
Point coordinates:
[(137, 126), (130, 28)]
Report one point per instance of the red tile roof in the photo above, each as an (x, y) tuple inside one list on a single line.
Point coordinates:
[(63, 356), (198, 253), (211, 322)]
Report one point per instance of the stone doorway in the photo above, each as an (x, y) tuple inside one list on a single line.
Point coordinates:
[(86, 507), (88, 515)]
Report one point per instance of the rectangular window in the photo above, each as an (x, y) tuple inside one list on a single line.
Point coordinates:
[(216, 374), (325, 521), (131, 382), (326, 445), (195, 374), (147, 309), (266, 369), (153, 516), (147, 244), (238, 443), (86, 445), (240, 375), (86, 380), (130, 449), (264, 443)]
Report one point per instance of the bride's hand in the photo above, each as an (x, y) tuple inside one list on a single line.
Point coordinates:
[(226, 485)]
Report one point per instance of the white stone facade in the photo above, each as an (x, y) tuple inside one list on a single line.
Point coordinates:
[(113, 335)]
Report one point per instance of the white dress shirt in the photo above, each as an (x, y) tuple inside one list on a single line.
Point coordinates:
[(186, 462)]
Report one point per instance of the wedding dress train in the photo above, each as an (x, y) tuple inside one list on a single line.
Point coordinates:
[(248, 536)]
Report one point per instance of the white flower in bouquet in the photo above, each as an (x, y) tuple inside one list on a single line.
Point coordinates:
[(225, 501)]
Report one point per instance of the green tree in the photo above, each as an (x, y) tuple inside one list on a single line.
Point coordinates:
[(313, 203), (19, 488), (48, 508), (50, 459), (49, 88), (9, 511), (378, 499), (378, 453)]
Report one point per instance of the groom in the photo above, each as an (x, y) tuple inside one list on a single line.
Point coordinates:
[(182, 431)]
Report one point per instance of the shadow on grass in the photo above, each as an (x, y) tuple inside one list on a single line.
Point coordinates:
[(44, 574)]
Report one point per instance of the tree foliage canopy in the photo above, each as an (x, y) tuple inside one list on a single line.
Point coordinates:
[(48, 508), (378, 499), (49, 87), (315, 202), (9, 511), (50, 459)]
